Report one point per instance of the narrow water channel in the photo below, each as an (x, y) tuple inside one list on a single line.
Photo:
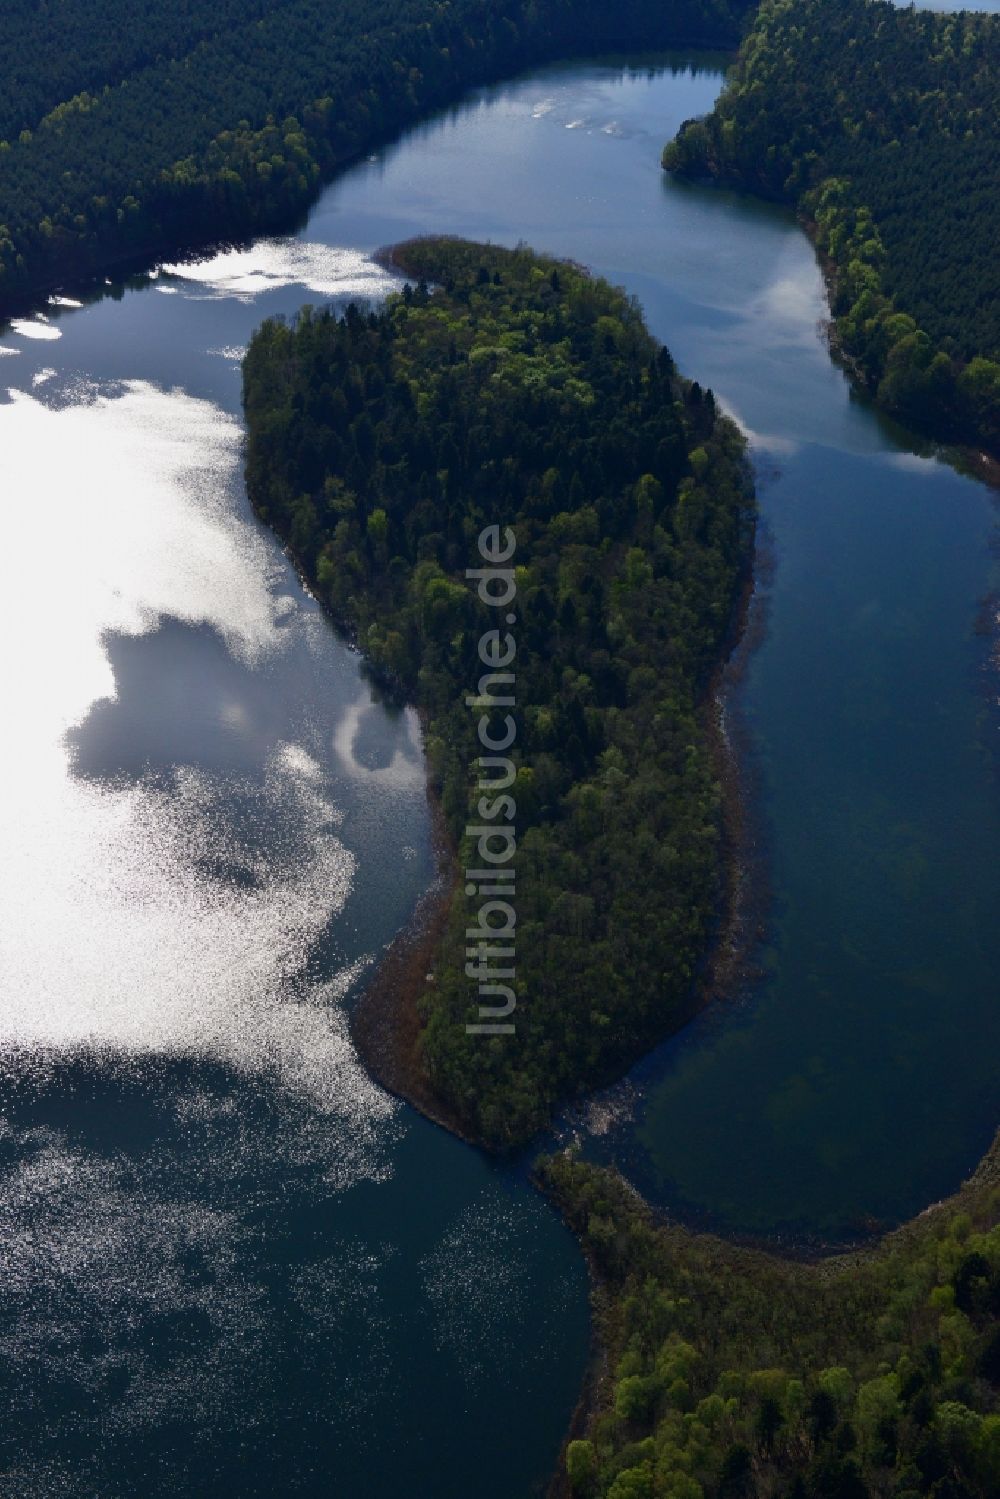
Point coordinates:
[(230, 1261), (858, 1082)]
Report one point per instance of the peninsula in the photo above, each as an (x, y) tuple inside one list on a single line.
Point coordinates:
[(522, 404)]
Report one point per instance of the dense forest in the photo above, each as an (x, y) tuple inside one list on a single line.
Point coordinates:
[(882, 126), (522, 393), (130, 128), (733, 1374)]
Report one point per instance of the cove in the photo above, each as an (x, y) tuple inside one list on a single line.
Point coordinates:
[(232, 1260)]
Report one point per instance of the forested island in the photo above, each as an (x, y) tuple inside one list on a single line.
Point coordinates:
[(523, 394), (129, 131), (881, 125)]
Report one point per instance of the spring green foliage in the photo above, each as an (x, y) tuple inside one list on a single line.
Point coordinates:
[(737, 1375), (525, 394), (137, 127), (882, 126)]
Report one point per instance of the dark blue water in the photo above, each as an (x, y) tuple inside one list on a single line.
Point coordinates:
[(230, 1263), (858, 1082), (229, 1260)]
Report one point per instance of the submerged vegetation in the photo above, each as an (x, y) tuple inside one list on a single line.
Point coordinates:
[(881, 124), (141, 128), (733, 1374), (522, 393)]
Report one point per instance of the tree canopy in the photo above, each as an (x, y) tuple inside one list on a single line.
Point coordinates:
[(523, 393), (134, 128), (882, 125), (736, 1374)]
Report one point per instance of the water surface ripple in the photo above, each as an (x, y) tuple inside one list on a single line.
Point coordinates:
[(229, 1259)]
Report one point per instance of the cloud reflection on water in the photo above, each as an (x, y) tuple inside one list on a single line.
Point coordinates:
[(144, 915)]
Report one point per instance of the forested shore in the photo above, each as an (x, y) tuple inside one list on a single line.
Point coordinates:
[(182, 126), (881, 125), (524, 394), (502, 390), (731, 1373)]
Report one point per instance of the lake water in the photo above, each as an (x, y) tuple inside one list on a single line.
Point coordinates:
[(231, 1261)]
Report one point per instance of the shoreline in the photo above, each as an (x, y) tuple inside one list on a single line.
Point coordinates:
[(598, 1372), (118, 262), (743, 901), (385, 1023), (966, 457), (733, 1253)]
